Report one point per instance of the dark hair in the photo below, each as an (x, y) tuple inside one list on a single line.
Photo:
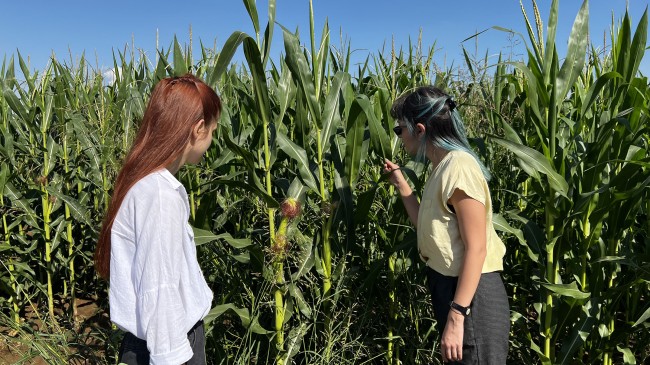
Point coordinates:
[(436, 110), (176, 105)]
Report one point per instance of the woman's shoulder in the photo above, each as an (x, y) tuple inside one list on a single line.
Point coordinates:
[(460, 159), (154, 186), (154, 192), (460, 163), (460, 155)]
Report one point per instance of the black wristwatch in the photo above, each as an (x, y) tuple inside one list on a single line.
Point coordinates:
[(463, 310)]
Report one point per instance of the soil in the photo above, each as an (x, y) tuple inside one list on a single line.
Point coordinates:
[(81, 334)]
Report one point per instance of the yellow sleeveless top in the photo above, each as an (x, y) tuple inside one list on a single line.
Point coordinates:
[(438, 233)]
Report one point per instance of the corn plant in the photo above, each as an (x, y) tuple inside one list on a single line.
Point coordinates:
[(575, 168), (342, 282)]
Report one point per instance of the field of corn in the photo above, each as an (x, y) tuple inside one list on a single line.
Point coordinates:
[(565, 136)]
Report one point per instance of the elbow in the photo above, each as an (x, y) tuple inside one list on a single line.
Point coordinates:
[(478, 252)]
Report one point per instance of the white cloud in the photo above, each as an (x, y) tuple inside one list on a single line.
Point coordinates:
[(109, 76)]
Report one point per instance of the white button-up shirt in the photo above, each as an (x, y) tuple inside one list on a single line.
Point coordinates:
[(157, 290)]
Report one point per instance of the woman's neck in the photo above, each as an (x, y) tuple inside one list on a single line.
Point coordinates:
[(178, 162), (175, 165), (435, 155)]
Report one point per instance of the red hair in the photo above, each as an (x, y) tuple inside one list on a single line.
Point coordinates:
[(176, 105)]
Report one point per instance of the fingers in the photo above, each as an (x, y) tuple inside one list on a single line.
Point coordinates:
[(448, 355), (390, 163), (389, 166), (452, 353), (392, 170)]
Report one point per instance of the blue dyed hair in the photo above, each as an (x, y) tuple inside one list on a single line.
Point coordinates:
[(435, 110)]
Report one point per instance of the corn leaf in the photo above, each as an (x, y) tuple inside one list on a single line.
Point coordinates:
[(567, 290), (300, 156), (538, 162)]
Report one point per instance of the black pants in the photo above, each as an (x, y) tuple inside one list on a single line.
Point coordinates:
[(486, 329), (133, 351)]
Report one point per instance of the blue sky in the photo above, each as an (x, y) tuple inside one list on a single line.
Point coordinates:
[(70, 27)]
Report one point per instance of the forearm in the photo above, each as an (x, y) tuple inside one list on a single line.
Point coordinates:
[(470, 274), (411, 203)]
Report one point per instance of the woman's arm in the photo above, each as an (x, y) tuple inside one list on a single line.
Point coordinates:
[(408, 198), (161, 225), (472, 226)]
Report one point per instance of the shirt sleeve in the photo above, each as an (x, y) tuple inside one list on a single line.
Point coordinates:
[(464, 173), (160, 309)]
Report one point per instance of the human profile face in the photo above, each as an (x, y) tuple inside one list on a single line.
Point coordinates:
[(410, 140), (202, 141)]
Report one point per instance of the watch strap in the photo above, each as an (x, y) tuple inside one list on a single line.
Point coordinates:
[(465, 311)]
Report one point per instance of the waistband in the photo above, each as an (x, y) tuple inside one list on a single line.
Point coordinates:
[(441, 276), (137, 340)]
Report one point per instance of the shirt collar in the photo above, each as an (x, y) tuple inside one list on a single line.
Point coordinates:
[(169, 177)]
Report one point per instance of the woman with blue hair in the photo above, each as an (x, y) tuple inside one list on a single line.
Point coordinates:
[(456, 239)]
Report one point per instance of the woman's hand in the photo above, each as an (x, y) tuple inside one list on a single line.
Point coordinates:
[(451, 345), (396, 178), (394, 174)]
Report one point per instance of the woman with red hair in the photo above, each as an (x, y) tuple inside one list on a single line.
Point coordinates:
[(146, 249)]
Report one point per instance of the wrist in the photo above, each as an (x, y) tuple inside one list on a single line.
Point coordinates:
[(455, 316), (463, 303), (404, 189), (460, 309)]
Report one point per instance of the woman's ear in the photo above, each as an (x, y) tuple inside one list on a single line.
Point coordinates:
[(420, 129), (198, 130)]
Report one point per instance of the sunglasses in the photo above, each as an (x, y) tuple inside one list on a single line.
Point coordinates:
[(398, 130)]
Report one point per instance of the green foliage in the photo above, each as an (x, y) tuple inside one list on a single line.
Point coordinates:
[(566, 140)]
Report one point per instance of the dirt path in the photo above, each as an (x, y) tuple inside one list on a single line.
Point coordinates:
[(83, 341)]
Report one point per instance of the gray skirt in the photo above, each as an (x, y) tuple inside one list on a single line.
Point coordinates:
[(487, 328)]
